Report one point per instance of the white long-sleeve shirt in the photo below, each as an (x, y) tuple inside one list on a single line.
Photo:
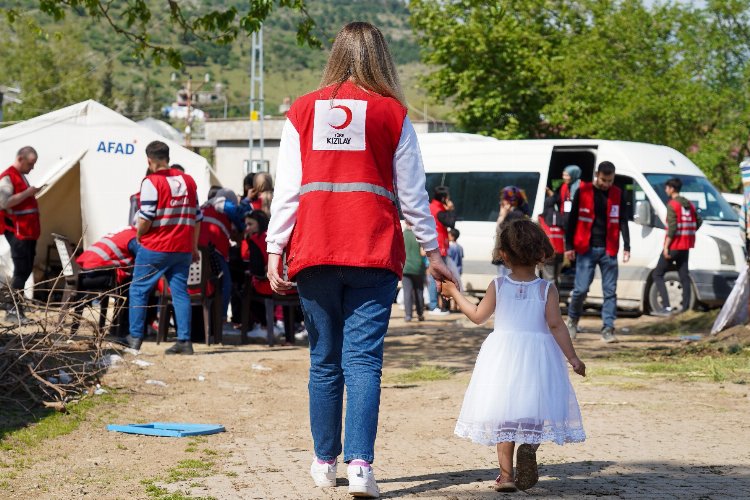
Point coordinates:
[(408, 178)]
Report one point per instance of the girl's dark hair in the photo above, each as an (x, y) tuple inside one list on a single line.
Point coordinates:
[(261, 218), (523, 242)]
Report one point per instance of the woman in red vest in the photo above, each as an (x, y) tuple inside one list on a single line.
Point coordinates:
[(344, 149), (682, 223)]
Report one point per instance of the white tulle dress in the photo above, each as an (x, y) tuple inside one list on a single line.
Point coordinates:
[(520, 390)]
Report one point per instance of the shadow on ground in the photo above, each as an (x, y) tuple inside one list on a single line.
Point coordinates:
[(590, 478)]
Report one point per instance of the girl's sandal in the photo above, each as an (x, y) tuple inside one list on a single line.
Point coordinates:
[(505, 485), (527, 473)]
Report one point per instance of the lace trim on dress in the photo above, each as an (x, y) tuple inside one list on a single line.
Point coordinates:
[(489, 437)]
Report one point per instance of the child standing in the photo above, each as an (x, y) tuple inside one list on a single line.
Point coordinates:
[(456, 251), (520, 391)]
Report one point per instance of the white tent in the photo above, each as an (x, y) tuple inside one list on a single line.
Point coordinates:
[(91, 159)]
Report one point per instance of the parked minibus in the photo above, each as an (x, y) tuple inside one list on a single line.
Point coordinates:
[(476, 168)]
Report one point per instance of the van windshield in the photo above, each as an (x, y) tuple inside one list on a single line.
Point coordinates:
[(707, 200), (476, 195)]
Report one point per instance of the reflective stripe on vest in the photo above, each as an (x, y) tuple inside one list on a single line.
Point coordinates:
[(23, 212), (107, 259), (347, 187), (174, 216), (218, 223), (112, 246)]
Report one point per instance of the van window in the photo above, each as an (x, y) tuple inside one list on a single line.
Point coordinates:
[(476, 195), (699, 190)]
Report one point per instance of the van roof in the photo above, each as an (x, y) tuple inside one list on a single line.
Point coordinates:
[(458, 152)]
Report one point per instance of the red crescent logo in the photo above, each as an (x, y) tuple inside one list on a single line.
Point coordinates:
[(348, 117)]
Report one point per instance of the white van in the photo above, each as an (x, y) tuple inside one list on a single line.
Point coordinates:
[(476, 168)]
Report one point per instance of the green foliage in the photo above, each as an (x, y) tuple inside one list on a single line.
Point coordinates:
[(671, 74), (50, 73), (424, 373)]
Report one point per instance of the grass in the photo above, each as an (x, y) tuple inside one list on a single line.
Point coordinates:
[(52, 424), (686, 323), (159, 493), (189, 469), (185, 470), (423, 373), (687, 367)]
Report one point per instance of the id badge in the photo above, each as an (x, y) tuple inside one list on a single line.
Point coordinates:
[(567, 205)]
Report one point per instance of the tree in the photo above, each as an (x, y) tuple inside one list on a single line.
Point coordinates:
[(50, 74), (670, 74), (134, 20)]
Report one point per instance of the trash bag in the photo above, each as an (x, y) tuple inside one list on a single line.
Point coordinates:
[(735, 309)]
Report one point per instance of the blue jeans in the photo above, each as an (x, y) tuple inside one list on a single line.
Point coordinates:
[(585, 266), (149, 267), (346, 315), (226, 285), (432, 292)]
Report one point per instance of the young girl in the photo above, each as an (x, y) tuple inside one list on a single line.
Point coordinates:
[(520, 391)]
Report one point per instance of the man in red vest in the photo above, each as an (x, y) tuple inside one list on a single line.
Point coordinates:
[(682, 223), (592, 239), (168, 228), (20, 221)]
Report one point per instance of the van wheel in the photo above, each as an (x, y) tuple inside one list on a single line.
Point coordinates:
[(674, 292)]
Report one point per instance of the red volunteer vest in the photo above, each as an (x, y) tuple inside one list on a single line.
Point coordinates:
[(110, 251), (347, 213), (586, 215), (177, 198), (555, 234), (435, 207), (215, 230), (687, 225), (25, 215)]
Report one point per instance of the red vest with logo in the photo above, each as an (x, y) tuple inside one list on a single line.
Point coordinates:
[(173, 227), (436, 206), (586, 215), (25, 215), (347, 210), (215, 230), (555, 234), (687, 225), (110, 251)]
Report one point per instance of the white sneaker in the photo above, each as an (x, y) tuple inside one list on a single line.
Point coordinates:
[(324, 475), (438, 312), (302, 335), (362, 482)]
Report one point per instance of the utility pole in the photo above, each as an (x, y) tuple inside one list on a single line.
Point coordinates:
[(256, 84)]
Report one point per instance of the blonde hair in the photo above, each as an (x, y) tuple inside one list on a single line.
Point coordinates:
[(360, 53), (262, 182)]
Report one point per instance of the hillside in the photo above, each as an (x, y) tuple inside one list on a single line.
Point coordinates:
[(142, 88)]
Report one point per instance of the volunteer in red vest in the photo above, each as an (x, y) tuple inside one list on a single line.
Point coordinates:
[(682, 223), (221, 220), (441, 208), (168, 228), (551, 221), (107, 265), (20, 221), (592, 239), (347, 152)]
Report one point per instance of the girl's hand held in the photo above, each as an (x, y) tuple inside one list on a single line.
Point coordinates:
[(578, 366)]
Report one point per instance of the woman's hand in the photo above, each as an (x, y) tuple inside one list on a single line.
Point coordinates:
[(278, 284), (439, 270)]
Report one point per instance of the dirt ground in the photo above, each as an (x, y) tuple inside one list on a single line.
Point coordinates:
[(648, 437)]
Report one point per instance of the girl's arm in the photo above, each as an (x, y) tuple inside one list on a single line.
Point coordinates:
[(560, 331), (478, 314)]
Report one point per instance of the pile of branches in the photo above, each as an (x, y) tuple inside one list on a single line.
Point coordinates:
[(45, 363)]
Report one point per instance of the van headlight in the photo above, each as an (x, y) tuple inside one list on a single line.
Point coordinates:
[(725, 251)]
